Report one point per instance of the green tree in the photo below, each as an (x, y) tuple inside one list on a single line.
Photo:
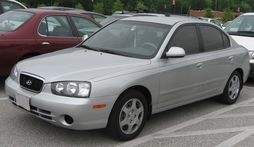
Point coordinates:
[(228, 15), (209, 13), (209, 3), (140, 6), (245, 7), (41, 5), (108, 6), (99, 7), (79, 6), (118, 6)]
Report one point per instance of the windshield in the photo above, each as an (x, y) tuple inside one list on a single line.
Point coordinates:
[(243, 26), (12, 20), (129, 38)]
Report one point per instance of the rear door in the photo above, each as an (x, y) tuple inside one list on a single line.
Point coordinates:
[(219, 58), (54, 33)]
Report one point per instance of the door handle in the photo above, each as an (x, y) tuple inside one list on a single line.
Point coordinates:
[(231, 58), (199, 65), (45, 43)]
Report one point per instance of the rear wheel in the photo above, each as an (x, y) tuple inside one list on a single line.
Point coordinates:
[(232, 89), (128, 116)]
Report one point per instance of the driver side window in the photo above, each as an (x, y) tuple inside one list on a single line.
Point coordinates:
[(186, 37)]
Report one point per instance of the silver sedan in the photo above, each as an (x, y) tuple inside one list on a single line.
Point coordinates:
[(129, 70)]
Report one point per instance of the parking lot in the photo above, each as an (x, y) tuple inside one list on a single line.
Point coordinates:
[(205, 123)]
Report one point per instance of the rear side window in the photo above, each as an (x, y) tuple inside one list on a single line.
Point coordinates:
[(98, 18), (212, 38), (186, 37), (55, 26), (12, 20), (226, 40), (84, 26)]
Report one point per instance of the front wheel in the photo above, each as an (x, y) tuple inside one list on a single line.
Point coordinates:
[(128, 116), (232, 89)]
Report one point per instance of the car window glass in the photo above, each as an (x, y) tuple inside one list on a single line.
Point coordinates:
[(186, 37), (136, 39), (243, 25), (98, 18), (212, 38), (226, 41), (84, 26), (7, 6), (12, 20), (55, 26)]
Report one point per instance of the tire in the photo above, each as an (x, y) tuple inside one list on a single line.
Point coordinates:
[(232, 89), (131, 116)]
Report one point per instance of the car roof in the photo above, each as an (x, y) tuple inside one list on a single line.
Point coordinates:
[(83, 11), (171, 20), (56, 8), (250, 13), (44, 11)]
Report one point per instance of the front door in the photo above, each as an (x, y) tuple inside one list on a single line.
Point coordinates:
[(181, 78)]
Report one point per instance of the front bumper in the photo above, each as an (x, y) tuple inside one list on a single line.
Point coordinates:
[(53, 108)]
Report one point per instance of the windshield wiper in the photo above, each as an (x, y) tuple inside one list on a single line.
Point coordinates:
[(90, 48), (242, 33), (104, 51), (114, 52)]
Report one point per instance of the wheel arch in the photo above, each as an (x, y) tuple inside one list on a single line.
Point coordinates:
[(144, 90)]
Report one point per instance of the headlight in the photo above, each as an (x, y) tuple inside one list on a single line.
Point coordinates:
[(14, 73), (251, 54), (71, 89)]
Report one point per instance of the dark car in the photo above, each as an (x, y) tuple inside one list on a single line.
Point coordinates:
[(29, 32), (7, 5), (56, 8), (96, 16)]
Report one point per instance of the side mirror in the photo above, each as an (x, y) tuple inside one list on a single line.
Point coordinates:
[(85, 37), (175, 52)]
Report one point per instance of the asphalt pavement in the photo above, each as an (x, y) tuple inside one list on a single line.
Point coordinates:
[(205, 123)]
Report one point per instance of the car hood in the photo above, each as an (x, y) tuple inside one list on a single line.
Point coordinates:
[(245, 41), (79, 64)]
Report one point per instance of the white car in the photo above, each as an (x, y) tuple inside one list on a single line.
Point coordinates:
[(212, 20), (129, 70), (242, 31)]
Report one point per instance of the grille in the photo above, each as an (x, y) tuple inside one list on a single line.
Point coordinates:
[(41, 113), (31, 83), (45, 114)]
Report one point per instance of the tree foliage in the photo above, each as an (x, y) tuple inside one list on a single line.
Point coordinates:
[(118, 6), (99, 7), (228, 15), (181, 7), (140, 6), (209, 13)]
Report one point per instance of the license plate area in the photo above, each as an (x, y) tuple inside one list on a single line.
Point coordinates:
[(23, 101)]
